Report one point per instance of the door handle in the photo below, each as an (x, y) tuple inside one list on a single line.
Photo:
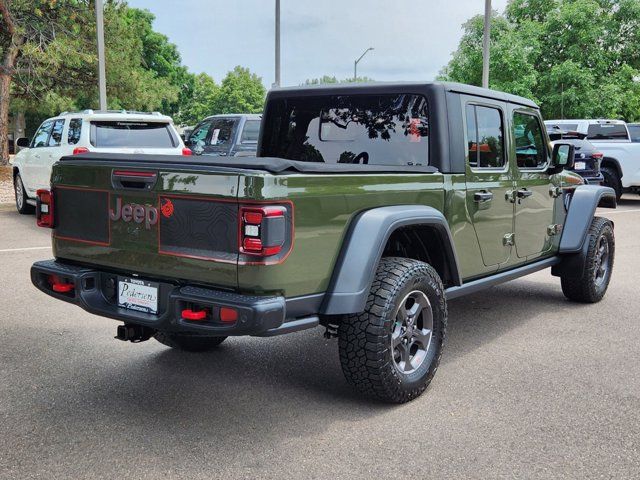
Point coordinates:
[(482, 197), (524, 193)]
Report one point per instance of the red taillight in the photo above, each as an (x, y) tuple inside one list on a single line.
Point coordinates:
[(597, 155), (194, 315), (263, 230), (44, 208), (79, 150), (186, 151), (228, 315)]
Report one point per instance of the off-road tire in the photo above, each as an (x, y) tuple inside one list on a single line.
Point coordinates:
[(18, 189), (189, 343), (590, 288), (611, 179), (364, 339)]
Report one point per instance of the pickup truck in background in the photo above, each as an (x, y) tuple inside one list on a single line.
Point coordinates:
[(232, 135), (366, 210), (620, 164)]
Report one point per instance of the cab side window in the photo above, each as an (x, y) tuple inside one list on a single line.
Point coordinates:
[(41, 138), (56, 134), (485, 137), (75, 127), (530, 149)]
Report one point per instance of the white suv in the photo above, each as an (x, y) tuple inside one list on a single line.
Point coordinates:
[(620, 164), (71, 133)]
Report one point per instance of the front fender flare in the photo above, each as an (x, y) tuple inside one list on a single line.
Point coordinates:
[(584, 201), (362, 249)]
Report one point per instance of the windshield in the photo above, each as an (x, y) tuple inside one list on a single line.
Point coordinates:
[(131, 135), (366, 129)]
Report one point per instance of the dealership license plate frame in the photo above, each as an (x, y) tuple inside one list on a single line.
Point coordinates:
[(140, 295)]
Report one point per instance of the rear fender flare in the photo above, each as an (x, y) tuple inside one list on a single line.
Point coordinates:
[(584, 201), (363, 247)]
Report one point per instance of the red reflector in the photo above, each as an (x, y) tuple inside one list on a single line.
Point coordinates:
[(186, 151), (252, 244), (62, 287), (228, 315), (189, 314), (253, 218), (79, 150), (597, 155), (44, 208)]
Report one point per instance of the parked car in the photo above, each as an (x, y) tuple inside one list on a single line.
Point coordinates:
[(620, 164), (226, 135), (587, 157), (367, 208), (71, 133)]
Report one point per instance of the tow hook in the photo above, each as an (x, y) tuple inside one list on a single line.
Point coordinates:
[(134, 333)]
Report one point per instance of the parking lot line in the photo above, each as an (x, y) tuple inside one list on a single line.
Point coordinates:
[(24, 249), (636, 210)]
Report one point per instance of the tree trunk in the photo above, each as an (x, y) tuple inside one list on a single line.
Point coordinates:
[(5, 84), (7, 68)]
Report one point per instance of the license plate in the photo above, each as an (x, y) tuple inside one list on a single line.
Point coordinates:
[(580, 165), (138, 295)]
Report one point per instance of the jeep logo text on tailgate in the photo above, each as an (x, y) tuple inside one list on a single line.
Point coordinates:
[(135, 212)]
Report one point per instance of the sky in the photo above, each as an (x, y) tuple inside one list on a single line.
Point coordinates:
[(412, 39)]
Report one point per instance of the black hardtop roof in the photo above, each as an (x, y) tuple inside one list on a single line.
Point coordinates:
[(381, 87)]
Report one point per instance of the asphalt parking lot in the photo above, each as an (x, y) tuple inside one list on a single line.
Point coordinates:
[(530, 386)]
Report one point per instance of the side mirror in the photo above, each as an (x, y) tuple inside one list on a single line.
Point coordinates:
[(23, 142), (563, 156)]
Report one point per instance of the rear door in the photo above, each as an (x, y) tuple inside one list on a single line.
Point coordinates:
[(534, 191), (247, 143), (48, 155), (489, 179), (29, 171)]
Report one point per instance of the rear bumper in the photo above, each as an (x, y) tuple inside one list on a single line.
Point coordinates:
[(591, 178), (95, 291)]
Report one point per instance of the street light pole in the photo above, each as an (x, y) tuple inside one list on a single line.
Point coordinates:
[(277, 82), (485, 43), (355, 64), (102, 82)]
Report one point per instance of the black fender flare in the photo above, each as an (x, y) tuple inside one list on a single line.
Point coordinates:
[(584, 201), (362, 249)]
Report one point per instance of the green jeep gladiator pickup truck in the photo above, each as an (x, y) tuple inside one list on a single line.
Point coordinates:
[(367, 208)]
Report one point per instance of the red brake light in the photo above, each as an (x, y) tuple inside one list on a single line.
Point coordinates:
[(79, 150), (263, 230), (597, 155), (44, 208), (186, 151)]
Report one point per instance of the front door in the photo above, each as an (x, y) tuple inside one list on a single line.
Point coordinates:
[(534, 215), (489, 181), (49, 155), (34, 156)]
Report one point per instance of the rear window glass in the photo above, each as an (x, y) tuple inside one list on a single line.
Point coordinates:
[(634, 131), (251, 131), (564, 127), (131, 135), (607, 131), (366, 129)]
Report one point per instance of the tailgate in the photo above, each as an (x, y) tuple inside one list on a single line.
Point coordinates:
[(163, 221)]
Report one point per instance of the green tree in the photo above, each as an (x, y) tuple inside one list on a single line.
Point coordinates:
[(202, 102), (576, 58), (240, 92)]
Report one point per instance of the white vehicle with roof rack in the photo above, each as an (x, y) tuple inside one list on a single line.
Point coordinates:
[(70, 133), (620, 164)]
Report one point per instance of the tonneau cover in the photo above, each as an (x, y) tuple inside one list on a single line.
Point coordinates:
[(268, 164)]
